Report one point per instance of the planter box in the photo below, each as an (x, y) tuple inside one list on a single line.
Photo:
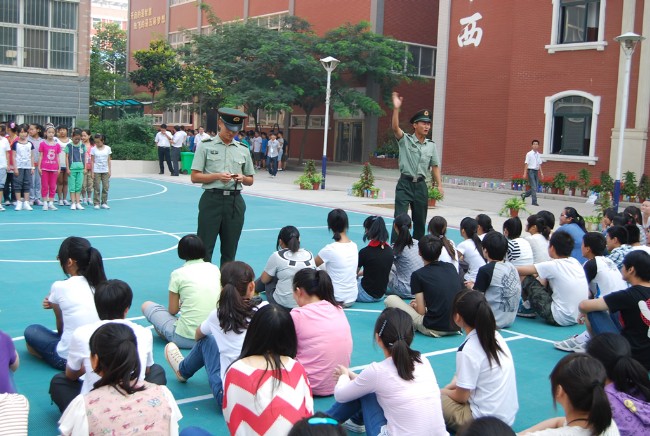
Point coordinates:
[(135, 167), (391, 163)]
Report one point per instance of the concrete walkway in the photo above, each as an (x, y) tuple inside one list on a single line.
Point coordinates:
[(459, 201)]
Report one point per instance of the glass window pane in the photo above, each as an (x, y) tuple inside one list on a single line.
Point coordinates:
[(36, 119), (414, 61), (62, 51), (64, 15), (573, 19), (35, 48), (37, 12), (62, 121), (8, 46), (426, 62), (9, 11), (573, 105)]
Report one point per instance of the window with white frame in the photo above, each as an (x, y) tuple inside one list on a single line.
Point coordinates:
[(44, 119), (571, 125), (315, 121), (577, 25), (422, 59), (39, 34), (268, 118), (180, 2), (181, 114)]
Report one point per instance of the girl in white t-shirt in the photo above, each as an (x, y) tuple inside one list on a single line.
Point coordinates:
[(519, 250), (100, 155), (471, 249), (484, 384), (71, 300), (340, 259), (578, 384), (438, 227), (62, 180), (540, 233)]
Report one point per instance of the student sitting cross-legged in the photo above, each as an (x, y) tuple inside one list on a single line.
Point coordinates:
[(560, 285), (434, 286), (499, 280)]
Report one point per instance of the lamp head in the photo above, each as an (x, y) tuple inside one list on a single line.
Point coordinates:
[(329, 63), (629, 41)]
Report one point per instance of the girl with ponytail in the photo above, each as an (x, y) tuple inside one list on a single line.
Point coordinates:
[(396, 396), (341, 259), (323, 331), (628, 385), (283, 264), (540, 234), (71, 300), (578, 384), (220, 337), (572, 223), (406, 258), (438, 227), (484, 384), (471, 249), (375, 261), (117, 402)]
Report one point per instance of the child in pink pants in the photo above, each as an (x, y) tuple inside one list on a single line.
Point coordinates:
[(49, 168)]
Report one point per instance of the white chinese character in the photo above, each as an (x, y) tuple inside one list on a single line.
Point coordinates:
[(470, 34)]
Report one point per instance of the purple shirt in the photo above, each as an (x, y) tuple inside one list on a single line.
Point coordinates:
[(7, 358)]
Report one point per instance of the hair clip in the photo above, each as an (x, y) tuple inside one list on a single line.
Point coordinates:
[(381, 330), (317, 420)]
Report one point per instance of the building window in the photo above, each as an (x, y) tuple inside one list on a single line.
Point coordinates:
[(315, 121), (44, 119), (570, 130), (577, 25), (39, 34), (267, 118), (422, 60), (181, 114), (180, 2)]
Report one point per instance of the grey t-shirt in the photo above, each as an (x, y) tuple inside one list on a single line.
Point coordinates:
[(283, 265), (405, 263), (500, 283)]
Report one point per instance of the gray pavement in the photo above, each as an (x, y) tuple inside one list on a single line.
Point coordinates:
[(459, 201)]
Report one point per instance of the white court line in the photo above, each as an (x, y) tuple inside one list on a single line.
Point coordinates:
[(60, 238), (164, 189), (193, 399), (22, 338)]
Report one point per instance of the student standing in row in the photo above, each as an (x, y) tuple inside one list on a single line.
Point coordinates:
[(49, 152), (101, 161), (23, 159)]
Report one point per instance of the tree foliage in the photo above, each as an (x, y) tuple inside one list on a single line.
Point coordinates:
[(108, 62), (158, 68)]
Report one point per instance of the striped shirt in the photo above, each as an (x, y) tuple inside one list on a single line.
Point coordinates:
[(14, 409)]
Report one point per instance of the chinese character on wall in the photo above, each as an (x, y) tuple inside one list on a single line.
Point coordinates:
[(471, 34)]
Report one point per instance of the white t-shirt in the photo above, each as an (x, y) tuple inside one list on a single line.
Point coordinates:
[(179, 139), (568, 281), (101, 159), (79, 350), (283, 265), (161, 139), (634, 247), (493, 387), (445, 257), (612, 430), (257, 144), (63, 158), (520, 252), (199, 137), (340, 261), (608, 278), (539, 245), (229, 343), (273, 148), (471, 255), (4, 148), (533, 160), (77, 303)]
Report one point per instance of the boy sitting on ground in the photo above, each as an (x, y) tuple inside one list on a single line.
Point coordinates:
[(499, 280), (617, 244), (560, 285)]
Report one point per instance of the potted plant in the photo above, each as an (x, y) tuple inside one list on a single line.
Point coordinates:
[(306, 179), (591, 223), (559, 183), (366, 182), (434, 195), (316, 179), (584, 179), (596, 186), (606, 182), (643, 190), (512, 206), (629, 187), (573, 185), (547, 184), (517, 183)]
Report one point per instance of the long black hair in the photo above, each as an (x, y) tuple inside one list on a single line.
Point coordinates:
[(632, 215), (575, 217), (337, 222), (475, 311), (484, 222), (582, 378), (615, 353), (438, 227), (471, 226), (234, 309), (271, 334), (513, 226), (375, 229), (404, 239), (89, 260), (394, 328), (315, 282), (118, 363), (290, 237), (540, 224)]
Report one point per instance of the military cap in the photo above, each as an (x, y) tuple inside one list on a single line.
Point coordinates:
[(233, 119), (423, 115)]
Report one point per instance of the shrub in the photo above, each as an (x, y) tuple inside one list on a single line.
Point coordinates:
[(125, 130), (133, 151)]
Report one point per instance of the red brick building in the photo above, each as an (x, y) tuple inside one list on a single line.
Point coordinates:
[(514, 70), (350, 139)]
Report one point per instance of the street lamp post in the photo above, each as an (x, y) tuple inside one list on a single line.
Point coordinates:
[(329, 63), (628, 43), (113, 70)]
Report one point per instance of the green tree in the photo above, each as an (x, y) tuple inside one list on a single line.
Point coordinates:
[(199, 85), (108, 63), (158, 68)]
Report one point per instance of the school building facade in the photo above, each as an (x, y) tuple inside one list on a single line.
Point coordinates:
[(45, 61), (512, 71), (350, 139)]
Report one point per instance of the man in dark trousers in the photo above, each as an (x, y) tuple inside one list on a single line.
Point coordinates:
[(223, 166), (417, 156)]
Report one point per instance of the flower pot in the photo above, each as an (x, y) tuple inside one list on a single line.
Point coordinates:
[(642, 199), (432, 202), (584, 192), (514, 213), (527, 187), (316, 186), (554, 190), (572, 192)]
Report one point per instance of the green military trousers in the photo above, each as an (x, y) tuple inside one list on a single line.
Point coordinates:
[(223, 216), (413, 194)]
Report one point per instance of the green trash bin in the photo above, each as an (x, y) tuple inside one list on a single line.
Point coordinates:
[(186, 161)]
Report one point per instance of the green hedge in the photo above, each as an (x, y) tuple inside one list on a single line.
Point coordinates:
[(130, 138), (133, 151)]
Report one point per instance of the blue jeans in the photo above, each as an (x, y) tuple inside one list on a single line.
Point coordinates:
[(363, 296), (205, 354), (165, 325), (534, 181), (273, 165), (603, 322), (373, 414), (44, 342), (194, 431)]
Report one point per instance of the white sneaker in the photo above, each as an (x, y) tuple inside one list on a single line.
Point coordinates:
[(27, 206), (65, 203), (80, 207), (105, 206), (174, 358), (74, 206), (96, 206), (52, 206), (60, 202), (354, 427), (19, 205), (2, 209), (45, 206), (571, 345)]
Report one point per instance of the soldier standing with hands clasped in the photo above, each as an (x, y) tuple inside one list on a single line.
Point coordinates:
[(417, 155), (222, 165)]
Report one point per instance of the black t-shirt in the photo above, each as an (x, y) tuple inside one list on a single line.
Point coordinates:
[(376, 263), (438, 282), (635, 324)]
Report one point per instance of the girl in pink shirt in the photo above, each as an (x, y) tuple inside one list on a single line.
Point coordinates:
[(49, 168), (87, 189)]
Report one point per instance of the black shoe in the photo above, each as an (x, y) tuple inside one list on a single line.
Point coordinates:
[(535, 204), (174, 175), (162, 172), (523, 196)]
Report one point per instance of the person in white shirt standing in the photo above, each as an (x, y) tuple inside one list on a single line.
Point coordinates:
[(200, 137), (533, 168), (178, 139), (5, 150), (162, 139)]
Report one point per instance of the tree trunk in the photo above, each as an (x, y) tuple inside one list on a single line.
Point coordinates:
[(304, 137)]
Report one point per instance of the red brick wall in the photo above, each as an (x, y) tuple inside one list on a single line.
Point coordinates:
[(183, 16), (325, 15), (264, 7), (412, 20), (141, 32)]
